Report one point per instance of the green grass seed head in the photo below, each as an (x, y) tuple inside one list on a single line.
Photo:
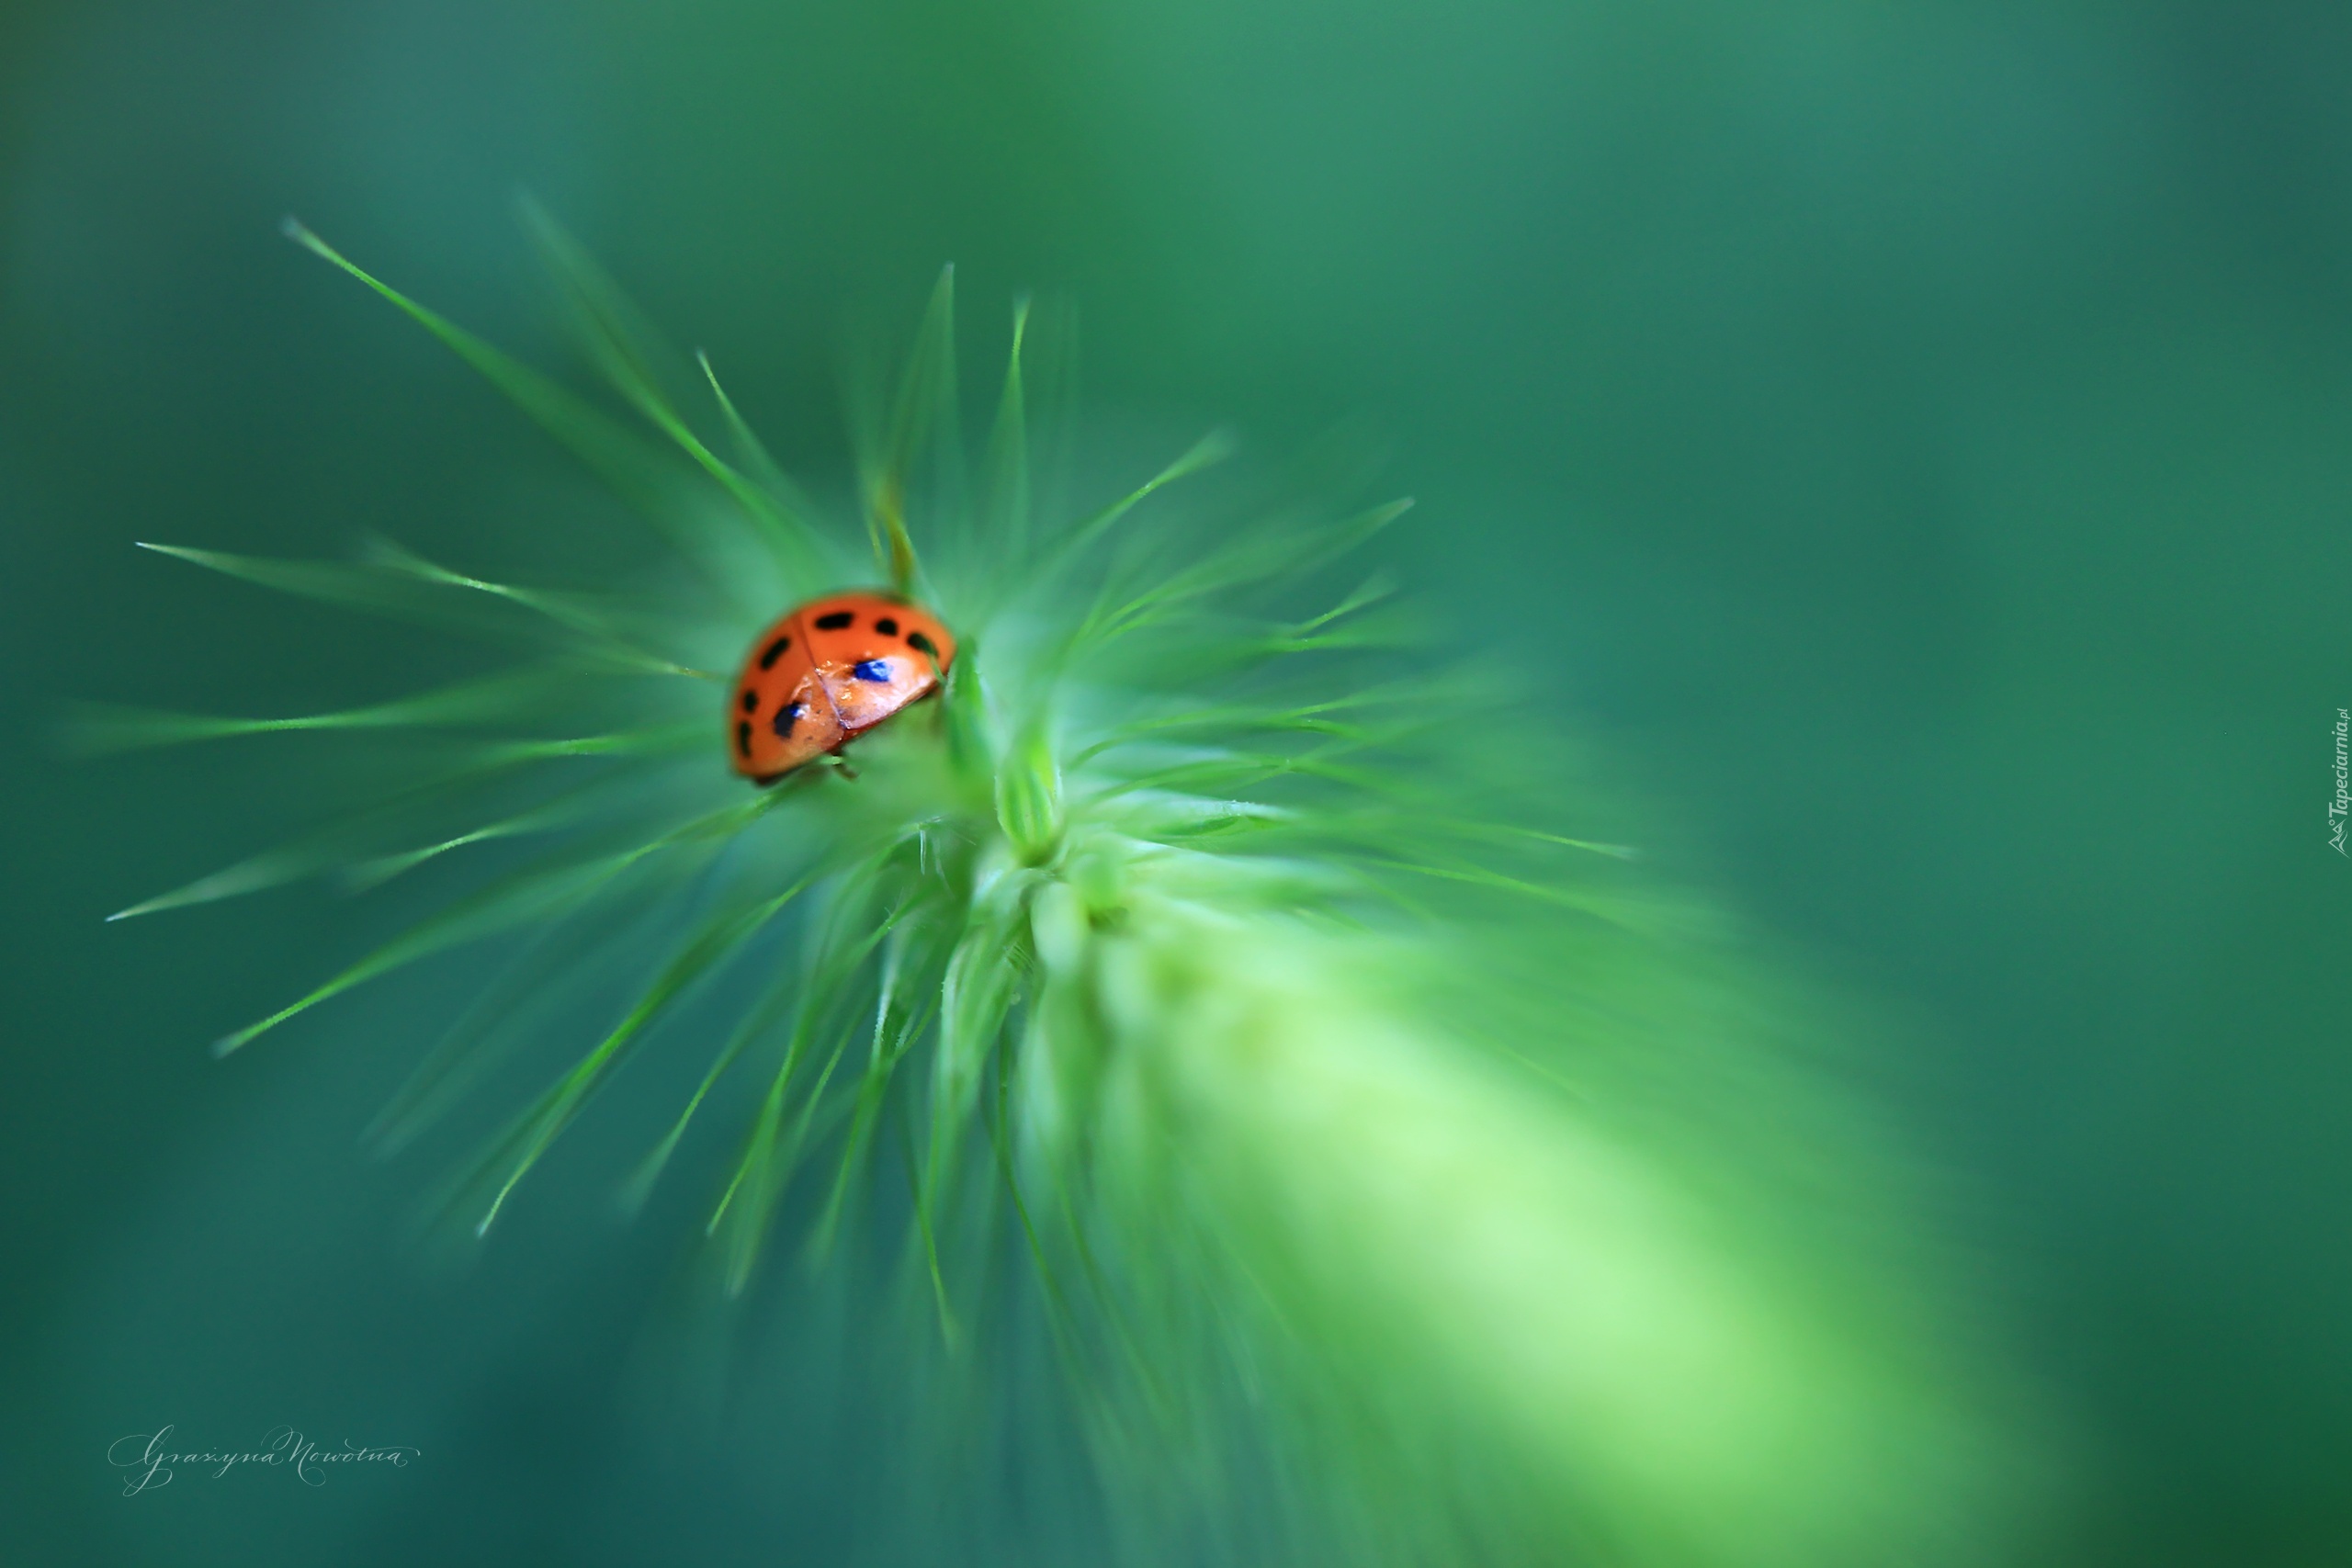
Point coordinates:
[(1359, 1116)]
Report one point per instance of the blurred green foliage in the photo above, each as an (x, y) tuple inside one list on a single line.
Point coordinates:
[(1911, 439)]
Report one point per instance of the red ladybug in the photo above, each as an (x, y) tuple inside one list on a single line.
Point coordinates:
[(829, 672)]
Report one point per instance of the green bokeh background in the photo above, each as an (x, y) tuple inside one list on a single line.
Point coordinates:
[(1914, 440)]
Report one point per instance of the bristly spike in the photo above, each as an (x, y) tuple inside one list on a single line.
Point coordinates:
[(1268, 983), (1207, 452), (922, 423), (1004, 471), (753, 453), (627, 350), (639, 474), (398, 584), (718, 939)]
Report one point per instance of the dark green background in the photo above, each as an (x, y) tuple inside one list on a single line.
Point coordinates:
[(1913, 438)]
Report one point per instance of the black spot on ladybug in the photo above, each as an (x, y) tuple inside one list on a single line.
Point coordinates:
[(743, 737), (922, 644), (835, 621), (774, 652), (872, 669), (887, 627), (785, 717), (751, 702)]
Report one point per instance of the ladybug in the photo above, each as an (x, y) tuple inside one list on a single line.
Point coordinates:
[(827, 673)]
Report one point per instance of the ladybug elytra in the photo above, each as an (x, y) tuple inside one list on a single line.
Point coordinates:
[(828, 671)]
